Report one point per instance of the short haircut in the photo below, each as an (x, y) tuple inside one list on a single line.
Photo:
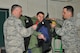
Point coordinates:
[(70, 9), (40, 12), (15, 6)]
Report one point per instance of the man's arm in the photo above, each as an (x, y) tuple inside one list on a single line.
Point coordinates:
[(25, 32), (66, 27)]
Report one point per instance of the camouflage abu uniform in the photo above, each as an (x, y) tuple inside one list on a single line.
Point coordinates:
[(70, 38), (14, 32)]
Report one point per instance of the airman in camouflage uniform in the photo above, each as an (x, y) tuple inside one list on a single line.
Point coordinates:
[(70, 38), (14, 31)]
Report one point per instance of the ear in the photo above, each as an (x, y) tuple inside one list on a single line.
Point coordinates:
[(70, 13)]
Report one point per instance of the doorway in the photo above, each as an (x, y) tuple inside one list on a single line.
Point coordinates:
[(4, 13)]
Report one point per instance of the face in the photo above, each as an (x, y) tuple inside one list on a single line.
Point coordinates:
[(66, 14), (40, 17), (17, 12)]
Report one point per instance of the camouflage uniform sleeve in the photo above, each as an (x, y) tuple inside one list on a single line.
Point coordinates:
[(66, 27), (59, 21), (25, 32)]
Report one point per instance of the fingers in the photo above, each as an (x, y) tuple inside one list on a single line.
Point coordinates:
[(41, 36), (34, 27)]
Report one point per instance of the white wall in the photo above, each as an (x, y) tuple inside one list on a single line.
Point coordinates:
[(7, 3), (54, 7), (31, 7)]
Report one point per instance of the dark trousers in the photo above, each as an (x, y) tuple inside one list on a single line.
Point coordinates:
[(3, 51), (26, 42)]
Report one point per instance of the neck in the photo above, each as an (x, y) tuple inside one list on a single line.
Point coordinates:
[(15, 15)]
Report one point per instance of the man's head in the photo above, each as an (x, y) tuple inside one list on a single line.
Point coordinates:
[(40, 16), (68, 12), (16, 10)]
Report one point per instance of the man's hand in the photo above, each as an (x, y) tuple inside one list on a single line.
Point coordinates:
[(41, 36), (34, 26)]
